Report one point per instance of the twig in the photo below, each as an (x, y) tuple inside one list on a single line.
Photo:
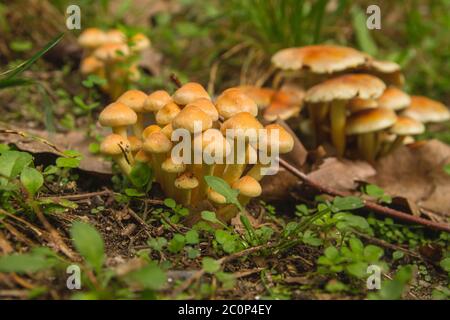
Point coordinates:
[(79, 196), (175, 80), (36, 138), (368, 204)]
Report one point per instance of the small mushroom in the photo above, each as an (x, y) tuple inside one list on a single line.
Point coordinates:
[(232, 101), (171, 171), (186, 182), (118, 148), (190, 117), (285, 104), (118, 116), (189, 93), (139, 42), (166, 114), (156, 100), (366, 124), (394, 99), (149, 130), (426, 110), (158, 146), (135, 99), (92, 38), (404, 127), (207, 107)]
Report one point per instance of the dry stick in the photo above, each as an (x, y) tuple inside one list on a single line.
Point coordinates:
[(79, 196), (175, 80), (199, 273), (368, 204)]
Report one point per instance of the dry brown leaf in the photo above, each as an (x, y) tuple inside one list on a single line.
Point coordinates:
[(73, 140)]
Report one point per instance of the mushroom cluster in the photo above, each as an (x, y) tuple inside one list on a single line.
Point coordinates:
[(223, 138), (355, 100), (113, 56)]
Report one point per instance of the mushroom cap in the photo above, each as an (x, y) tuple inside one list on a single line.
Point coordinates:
[(358, 104), (207, 107), (142, 156), (186, 181), (149, 130), (346, 87), (424, 109), (190, 117), (157, 142), (90, 65), (244, 121), (394, 98), (212, 140), (166, 114), (112, 52), (135, 143), (115, 36), (216, 197), (92, 38), (286, 103), (170, 166), (285, 140), (114, 145), (319, 58), (261, 96), (190, 92), (117, 114), (370, 120), (134, 99), (167, 130), (233, 101), (405, 126), (248, 187), (383, 66), (156, 100), (139, 42)]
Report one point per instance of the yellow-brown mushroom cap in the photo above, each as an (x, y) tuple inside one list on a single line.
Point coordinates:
[(358, 104), (142, 156), (383, 66), (149, 130), (190, 118), (405, 126), (285, 140), (166, 114), (370, 120), (319, 58), (115, 36), (134, 99), (261, 96), (114, 145), (207, 107), (117, 114), (186, 181), (286, 103), (167, 130), (216, 197), (170, 166), (394, 98), (157, 142), (139, 42), (190, 92), (240, 124), (112, 52), (212, 140), (233, 101), (248, 187), (156, 100), (90, 65), (92, 38), (135, 143), (425, 110), (346, 87)]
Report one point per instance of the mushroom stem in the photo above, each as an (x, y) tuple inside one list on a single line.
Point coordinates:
[(234, 171), (123, 164), (157, 160), (366, 146), (256, 171), (337, 122), (207, 170), (397, 143), (121, 130), (138, 127)]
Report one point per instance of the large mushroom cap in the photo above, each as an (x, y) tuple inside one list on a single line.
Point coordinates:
[(112, 52), (117, 114), (157, 142), (405, 126), (319, 58), (242, 124), (370, 120), (92, 38), (191, 117), (114, 145), (156, 100), (286, 103), (186, 181), (424, 109), (190, 92), (346, 87), (134, 99), (285, 141), (233, 101), (90, 65), (166, 114), (248, 187), (207, 107), (394, 98)]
